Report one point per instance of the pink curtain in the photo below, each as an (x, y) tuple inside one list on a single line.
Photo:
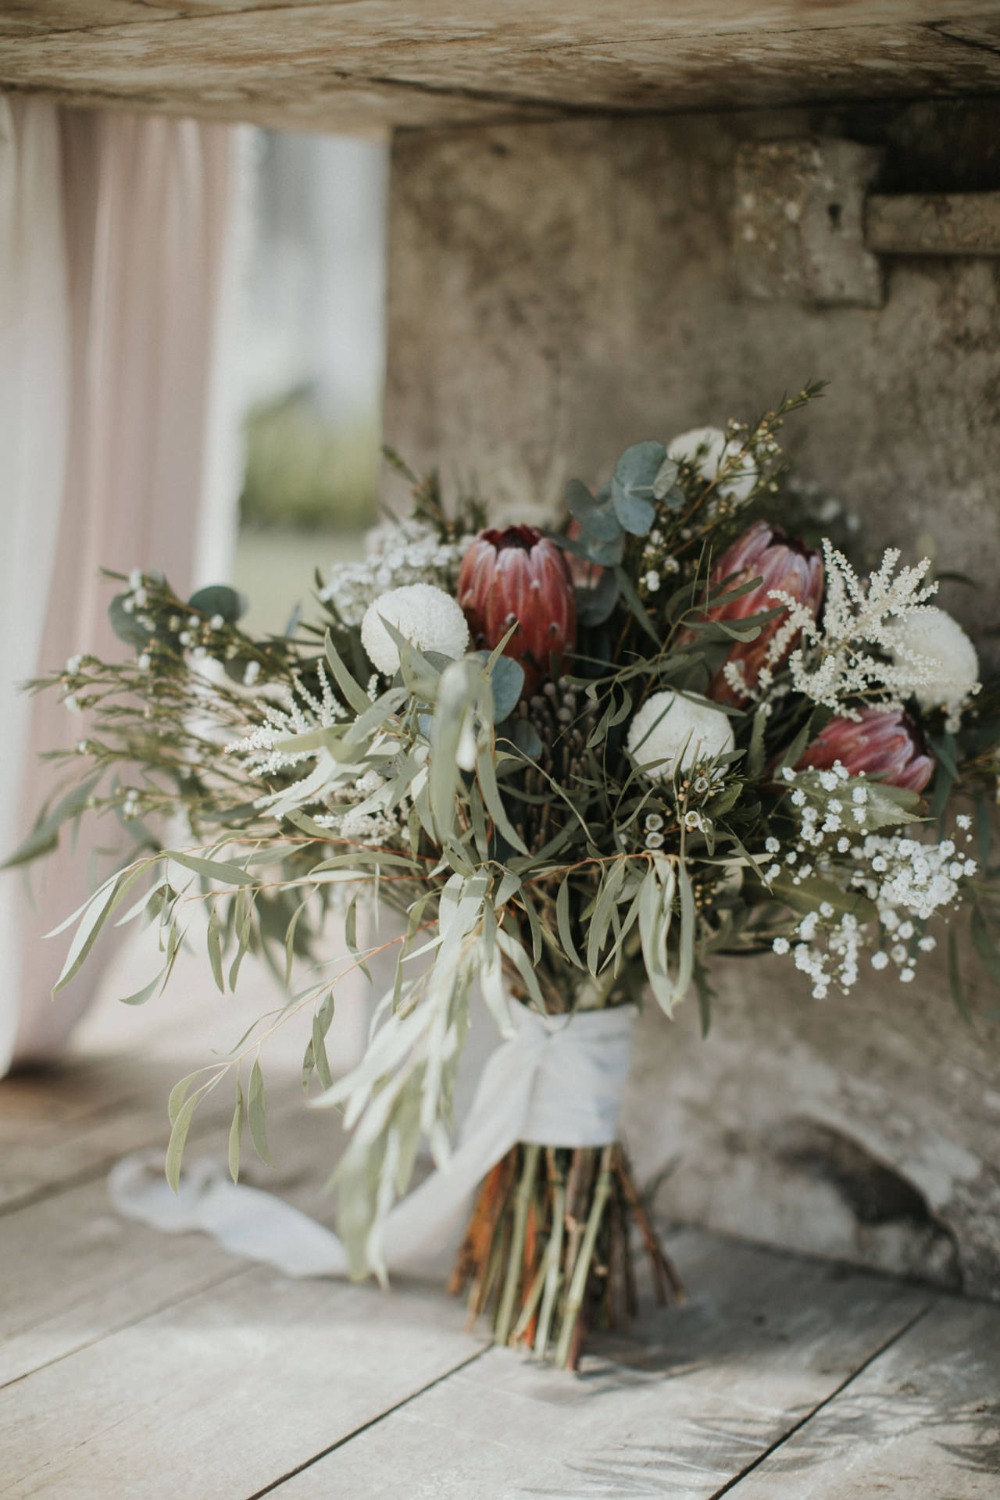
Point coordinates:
[(118, 261)]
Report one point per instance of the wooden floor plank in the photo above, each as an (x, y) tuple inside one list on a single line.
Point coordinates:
[(73, 1271), (225, 1392), (142, 1367), (922, 1420), (677, 1411), (66, 1127)]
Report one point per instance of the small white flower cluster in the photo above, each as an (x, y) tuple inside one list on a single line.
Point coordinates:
[(398, 553), (907, 880), (658, 564), (300, 713), (835, 663)]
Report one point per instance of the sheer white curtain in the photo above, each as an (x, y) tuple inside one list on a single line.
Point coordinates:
[(118, 443)]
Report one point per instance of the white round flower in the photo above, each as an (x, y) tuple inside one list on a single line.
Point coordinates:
[(707, 448), (670, 732), (950, 666), (428, 617)]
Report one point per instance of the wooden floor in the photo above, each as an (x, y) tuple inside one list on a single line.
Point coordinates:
[(141, 1367)]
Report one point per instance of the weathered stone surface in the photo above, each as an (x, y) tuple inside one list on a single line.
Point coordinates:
[(867, 1128), (372, 64), (934, 224), (799, 222), (560, 291)]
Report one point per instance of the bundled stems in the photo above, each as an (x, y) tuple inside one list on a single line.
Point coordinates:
[(548, 1254)]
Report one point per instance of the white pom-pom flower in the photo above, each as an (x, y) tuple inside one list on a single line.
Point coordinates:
[(946, 667), (708, 449), (427, 617), (672, 733)]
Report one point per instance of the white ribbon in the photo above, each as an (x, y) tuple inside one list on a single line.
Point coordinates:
[(559, 1081)]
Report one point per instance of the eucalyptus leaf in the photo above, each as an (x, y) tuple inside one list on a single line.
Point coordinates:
[(598, 522), (125, 625), (220, 599), (596, 605), (664, 480), (634, 484), (256, 1114), (507, 681), (223, 872), (178, 1140), (235, 1131)]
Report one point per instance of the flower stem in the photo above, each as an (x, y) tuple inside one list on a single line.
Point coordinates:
[(581, 1270), (515, 1254), (553, 1274)]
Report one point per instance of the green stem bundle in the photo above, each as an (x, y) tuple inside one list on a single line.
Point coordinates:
[(547, 1255)]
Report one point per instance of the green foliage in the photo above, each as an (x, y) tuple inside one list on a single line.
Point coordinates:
[(524, 853), (301, 472)]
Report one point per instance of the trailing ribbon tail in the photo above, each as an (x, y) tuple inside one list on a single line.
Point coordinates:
[(558, 1081)]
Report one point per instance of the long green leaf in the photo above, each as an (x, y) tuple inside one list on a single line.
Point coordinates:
[(354, 695), (486, 776), (213, 869), (178, 1139), (256, 1115), (235, 1131), (564, 925), (213, 942), (92, 922)]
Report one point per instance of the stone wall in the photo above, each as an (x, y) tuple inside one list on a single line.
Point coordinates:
[(558, 291)]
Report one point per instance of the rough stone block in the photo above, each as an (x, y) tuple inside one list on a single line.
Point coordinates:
[(799, 222)]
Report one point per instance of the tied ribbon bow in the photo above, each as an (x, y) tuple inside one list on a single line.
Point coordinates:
[(558, 1081)]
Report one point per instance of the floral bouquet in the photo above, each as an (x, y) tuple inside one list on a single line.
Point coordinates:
[(580, 766)]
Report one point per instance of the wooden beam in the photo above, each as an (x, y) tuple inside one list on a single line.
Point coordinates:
[(373, 65)]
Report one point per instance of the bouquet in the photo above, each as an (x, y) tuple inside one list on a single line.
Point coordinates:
[(580, 765)]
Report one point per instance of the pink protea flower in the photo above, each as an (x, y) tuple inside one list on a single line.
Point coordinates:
[(781, 562), (883, 743), (518, 576)]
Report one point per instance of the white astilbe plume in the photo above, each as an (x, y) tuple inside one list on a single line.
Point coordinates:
[(300, 714), (354, 800), (835, 661)]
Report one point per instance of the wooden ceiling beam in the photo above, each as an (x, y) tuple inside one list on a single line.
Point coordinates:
[(369, 65)]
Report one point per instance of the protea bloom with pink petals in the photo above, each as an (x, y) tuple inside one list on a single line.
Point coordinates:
[(883, 743), (519, 577), (781, 562)]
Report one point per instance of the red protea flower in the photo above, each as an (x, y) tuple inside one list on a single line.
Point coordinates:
[(781, 562), (518, 576), (883, 743)]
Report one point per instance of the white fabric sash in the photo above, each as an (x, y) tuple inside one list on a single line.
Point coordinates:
[(559, 1081)]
